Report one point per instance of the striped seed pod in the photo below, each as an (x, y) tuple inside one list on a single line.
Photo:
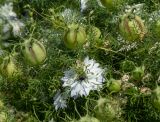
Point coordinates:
[(9, 69), (34, 52), (132, 27), (75, 36)]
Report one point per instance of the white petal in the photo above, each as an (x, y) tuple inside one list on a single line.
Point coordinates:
[(59, 101)]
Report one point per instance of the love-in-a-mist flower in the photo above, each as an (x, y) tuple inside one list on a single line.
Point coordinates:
[(86, 77), (7, 14), (60, 100), (83, 5)]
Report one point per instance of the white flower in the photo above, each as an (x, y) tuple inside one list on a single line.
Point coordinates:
[(7, 13), (60, 101), (70, 16), (137, 8), (83, 5), (82, 85), (100, 4), (17, 26)]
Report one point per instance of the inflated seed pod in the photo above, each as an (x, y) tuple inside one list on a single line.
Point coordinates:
[(96, 33), (138, 73), (34, 52), (132, 27), (114, 85), (112, 4), (156, 28), (9, 69), (75, 36), (156, 98)]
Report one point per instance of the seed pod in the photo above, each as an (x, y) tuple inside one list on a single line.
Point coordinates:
[(156, 98), (96, 33), (9, 69), (138, 73), (111, 4), (156, 28), (132, 27), (3, 117), (114, 85), (75, 36), (108, 109), (34, 52), (88, 119)]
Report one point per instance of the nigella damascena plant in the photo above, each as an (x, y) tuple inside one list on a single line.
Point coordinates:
[(10, 25), (86, 77)]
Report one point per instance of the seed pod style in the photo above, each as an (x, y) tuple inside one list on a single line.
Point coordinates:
[(75, 36), (34, 52), (132, 27)]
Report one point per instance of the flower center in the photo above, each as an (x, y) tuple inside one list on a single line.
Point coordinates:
[(81, 74), (81, 78)]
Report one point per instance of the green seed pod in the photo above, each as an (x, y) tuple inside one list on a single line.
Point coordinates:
[(1, 104), (112, 4), (75, 36), (88, 119), (138, 73), (127, 66), (96, 33), (34, 52), (132, 27), (156, 28), (107, 109), (9, 69), (156, 98), (3, 117), (114, 85)]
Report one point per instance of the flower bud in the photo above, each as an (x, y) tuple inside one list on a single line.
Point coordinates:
[(127, 66), (132, 27), (75, 36), (34, 52)]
